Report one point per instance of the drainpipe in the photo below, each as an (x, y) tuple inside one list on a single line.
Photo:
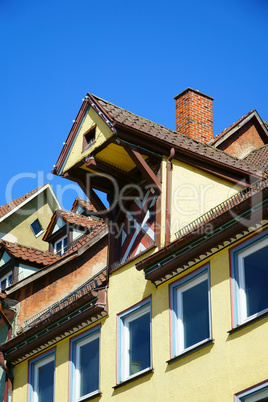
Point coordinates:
[(168, 194), (9, 376)]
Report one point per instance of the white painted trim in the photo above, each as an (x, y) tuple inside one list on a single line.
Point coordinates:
[(239, 125), (44, 188)]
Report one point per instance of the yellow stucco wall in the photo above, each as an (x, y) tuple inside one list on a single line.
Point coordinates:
[(18, 224), (102, 134), (212, 374), (195, 192)]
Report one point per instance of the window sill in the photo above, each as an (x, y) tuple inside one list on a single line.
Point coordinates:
[(191, 351), (248, 323), (39, 234), (134, 378), (89, 398)]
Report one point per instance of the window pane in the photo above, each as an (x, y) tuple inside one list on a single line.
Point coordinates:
[(256, 281), (89, 367), (195, 314), (139, 344), (45, 389), (36, 226)]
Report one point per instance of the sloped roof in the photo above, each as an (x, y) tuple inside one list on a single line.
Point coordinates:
[(181, 141), (19, 202), (29, 254), (236, 123), (86, 204), (115, 116), (4, 209), (258, 157)]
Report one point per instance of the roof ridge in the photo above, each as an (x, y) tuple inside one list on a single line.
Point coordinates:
[(17, 201)]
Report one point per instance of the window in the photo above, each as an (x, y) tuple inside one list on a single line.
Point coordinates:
[(134, 341), (258, 393), (250, 279), (190, 311), (60, 246), (89, 138), (37, 228), (42, 378), (85, 358), (6, 281)]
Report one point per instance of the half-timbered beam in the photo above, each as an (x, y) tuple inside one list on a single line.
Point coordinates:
[(144, 168)]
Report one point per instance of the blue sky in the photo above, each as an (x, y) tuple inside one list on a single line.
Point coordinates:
[(136, 54)]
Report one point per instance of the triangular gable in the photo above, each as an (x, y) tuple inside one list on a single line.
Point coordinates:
[(89, 116), (58, 224), (4, 258), (243, 136)]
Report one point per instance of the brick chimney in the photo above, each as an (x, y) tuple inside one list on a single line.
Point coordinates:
[(194, 115)]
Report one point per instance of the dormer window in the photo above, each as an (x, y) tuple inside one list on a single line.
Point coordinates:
[(60, 246), (37, 228), (89, 138)]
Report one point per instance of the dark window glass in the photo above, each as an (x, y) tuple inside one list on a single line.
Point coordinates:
[(256, 281), (139, 352), (45, 389), (195, 314), (89, 367), (36, 227)]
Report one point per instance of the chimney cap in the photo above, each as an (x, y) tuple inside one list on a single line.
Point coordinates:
[(192, 90)]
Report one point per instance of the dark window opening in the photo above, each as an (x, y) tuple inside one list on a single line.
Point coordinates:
[(89, 138), (36, 227)]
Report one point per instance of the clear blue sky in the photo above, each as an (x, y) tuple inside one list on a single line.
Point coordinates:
[(136, 54)]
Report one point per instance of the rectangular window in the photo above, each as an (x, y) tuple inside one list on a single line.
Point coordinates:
[(6, 281), (259, 393), (41, 379), (85, 369), (89, 138), (190, 311), (37, 228), (60, 246), (249, 279), (134, 341)]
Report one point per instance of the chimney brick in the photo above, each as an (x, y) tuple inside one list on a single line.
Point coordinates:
[(194, 115)]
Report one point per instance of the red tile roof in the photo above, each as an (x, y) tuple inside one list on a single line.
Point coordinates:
[(29, 254), (180, 141), (75, 219), (86, 204), (259, 157), (4, 209)]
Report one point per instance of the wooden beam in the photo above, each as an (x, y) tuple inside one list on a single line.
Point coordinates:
[(144, 168), (88, 190), (99, 166)]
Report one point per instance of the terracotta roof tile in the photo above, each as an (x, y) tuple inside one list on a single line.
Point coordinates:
[(179, 140), (86, 204), (258, 157), (76, 219), (4, 209), (96, 228), (28, 253)]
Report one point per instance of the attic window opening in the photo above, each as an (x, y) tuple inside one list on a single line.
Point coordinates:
[(37, 228), (89, 138)]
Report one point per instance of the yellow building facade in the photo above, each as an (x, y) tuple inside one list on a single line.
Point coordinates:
[(182, 314)]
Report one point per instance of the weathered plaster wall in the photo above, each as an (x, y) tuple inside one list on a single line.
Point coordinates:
[(18, 224)]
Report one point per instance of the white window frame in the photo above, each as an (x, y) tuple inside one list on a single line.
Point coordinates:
[(40, 232), (75, 378), (253, 394), (9, 283), (34, 366), (61, 251), (176, 308), (124, 320), (239, 301)]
